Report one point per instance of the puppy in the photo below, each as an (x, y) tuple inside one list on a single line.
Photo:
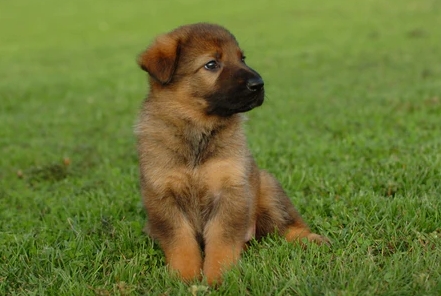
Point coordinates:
[(201, 188)]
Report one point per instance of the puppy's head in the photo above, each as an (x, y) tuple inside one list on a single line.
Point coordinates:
[(204, 62)]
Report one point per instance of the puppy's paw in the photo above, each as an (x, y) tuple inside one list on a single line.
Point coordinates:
[(303, 236), (318, 239)]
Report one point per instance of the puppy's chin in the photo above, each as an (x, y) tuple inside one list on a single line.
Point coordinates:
[(226, 108), (247, 107)]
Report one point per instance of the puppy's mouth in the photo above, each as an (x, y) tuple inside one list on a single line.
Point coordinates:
[(226, 109)]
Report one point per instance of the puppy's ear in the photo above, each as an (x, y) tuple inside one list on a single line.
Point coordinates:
[(161, 58)]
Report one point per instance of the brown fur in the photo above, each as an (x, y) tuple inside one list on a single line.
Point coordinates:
[(201, 188)]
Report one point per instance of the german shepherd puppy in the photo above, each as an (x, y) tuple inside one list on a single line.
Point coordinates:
[(204, 195)]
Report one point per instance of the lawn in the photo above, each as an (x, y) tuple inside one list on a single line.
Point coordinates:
[(351, 126)]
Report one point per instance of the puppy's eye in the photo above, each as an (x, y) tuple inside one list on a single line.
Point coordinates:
[(243, 58), (211, 65)]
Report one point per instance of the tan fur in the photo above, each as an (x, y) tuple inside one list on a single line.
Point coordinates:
[(201, 188)]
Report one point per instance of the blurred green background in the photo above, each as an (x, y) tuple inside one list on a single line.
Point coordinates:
[(351, 126)]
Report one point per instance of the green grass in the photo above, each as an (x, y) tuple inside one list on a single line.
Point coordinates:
[(351, 126)]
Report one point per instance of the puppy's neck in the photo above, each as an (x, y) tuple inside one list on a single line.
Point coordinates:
[(178, 110), (205, 143)]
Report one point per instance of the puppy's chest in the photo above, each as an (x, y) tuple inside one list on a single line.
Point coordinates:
[(200, 177), (194, 193), (196, 168)]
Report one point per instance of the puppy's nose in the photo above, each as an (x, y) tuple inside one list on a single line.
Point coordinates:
[(255, 84)]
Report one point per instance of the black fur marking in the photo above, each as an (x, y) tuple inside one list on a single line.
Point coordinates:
[(200, 240), (201, 149), (160, 228)]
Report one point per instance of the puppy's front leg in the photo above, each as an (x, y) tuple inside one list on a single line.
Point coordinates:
[(224, 240), (178, 241), (220, 253), (231, 204)]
